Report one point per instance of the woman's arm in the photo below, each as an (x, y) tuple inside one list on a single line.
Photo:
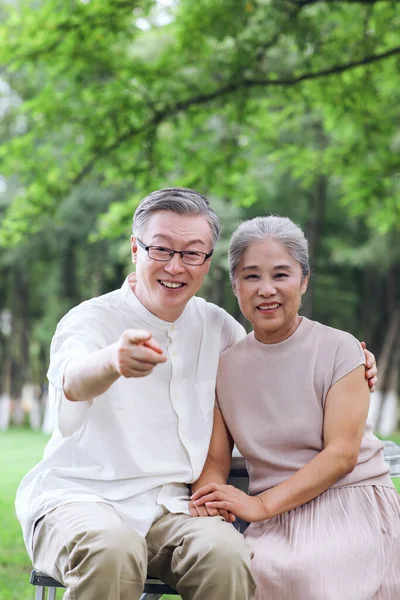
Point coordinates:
[(346, 411), (217, 465)]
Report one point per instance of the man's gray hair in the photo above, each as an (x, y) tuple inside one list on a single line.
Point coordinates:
[(276, 228), (182, 201)]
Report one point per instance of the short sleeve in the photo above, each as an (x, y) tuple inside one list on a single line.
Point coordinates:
[(232, 332), (79, 333), (349, 356)]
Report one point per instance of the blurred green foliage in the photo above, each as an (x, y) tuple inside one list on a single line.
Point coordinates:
[(284, 106)]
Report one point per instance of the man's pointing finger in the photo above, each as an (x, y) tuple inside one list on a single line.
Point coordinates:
[(137, 336), (151, 343)]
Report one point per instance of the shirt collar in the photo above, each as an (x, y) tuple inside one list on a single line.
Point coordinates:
[(142, 312)]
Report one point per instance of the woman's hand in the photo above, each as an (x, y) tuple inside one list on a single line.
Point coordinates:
[(229, 498), (370, 367)]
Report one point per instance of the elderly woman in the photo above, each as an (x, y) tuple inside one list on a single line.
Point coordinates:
[(324, 515)]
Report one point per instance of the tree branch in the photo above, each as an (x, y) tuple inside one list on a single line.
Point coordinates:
[(326, 72), (199, 100)]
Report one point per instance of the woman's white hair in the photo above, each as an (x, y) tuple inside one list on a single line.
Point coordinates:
[(273, 227)]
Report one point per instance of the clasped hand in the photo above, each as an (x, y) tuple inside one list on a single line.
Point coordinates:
[(220, 497)]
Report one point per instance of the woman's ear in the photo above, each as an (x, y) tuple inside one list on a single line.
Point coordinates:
[(234, 288), (304, 285)]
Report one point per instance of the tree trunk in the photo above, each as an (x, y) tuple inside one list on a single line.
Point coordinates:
[(387, 422), (314, 231), (385, 358), (387, 350)]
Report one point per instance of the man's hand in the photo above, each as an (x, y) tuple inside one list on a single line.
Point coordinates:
[(137, 353), (203, 511), (229, 498), (370, 367)]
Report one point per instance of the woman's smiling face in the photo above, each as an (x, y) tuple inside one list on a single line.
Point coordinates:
[(269, 284)]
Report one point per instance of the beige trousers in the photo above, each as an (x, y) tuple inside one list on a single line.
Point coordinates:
[(89, 548)]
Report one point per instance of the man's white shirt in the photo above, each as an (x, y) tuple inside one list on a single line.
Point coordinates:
[(136, 446)]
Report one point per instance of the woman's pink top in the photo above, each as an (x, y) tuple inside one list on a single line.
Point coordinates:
[(272, 397)]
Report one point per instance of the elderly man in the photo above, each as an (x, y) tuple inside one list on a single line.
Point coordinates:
[(132, 375)]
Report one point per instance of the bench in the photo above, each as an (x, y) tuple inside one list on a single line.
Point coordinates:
[(391, 453), (154, 588)]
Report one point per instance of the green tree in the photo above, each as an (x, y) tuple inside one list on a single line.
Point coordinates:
[(177, 101), (278, 106)]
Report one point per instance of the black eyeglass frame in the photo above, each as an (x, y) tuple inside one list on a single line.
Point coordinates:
[(183, 253)]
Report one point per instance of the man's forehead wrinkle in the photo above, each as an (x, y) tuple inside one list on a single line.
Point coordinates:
[(171, 239)]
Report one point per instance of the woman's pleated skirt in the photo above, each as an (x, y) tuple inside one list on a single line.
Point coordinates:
[(344, 545)]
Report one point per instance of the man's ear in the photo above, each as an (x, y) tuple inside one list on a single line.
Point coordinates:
[(133, 249)]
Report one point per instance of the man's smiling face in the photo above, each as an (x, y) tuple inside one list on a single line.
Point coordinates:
[(164, 288)]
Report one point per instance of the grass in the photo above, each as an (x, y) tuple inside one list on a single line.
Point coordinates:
[(395, 437), (20, 450)]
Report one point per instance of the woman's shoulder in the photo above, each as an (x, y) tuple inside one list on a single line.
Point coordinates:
[(339, 351), (332, 334)]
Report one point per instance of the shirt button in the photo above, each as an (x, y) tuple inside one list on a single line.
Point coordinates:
[(172, 327), (174, 354)]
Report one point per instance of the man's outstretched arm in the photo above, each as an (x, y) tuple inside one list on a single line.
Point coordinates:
[(134, 355)]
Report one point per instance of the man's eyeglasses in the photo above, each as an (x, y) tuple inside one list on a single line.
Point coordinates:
[(189, 257)]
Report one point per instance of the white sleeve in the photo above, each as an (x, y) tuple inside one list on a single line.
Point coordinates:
[(79, 333), (232, 331)]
